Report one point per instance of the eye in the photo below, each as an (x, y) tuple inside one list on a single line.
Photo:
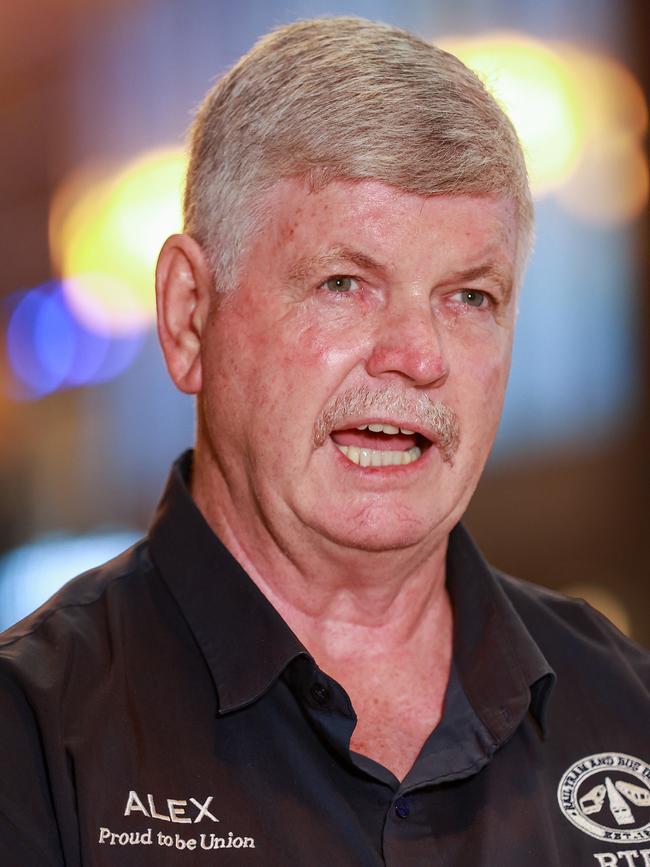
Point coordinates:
[(473, 297), (340, 283)]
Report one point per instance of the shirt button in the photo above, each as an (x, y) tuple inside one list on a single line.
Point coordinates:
[(402, 808), (320, 693)]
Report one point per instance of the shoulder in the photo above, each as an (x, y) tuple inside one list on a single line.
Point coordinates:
[(574, 636), (57, 679)]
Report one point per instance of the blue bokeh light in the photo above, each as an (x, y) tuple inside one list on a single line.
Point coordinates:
[(54, 337), (29, 575), (49, 349), (34, 380)]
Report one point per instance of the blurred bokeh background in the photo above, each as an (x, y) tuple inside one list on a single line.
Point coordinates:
[(95, 98)]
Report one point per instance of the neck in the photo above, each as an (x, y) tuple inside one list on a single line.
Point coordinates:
[(341, 602)]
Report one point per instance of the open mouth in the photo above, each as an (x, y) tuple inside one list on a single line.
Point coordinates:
[(380, 444)]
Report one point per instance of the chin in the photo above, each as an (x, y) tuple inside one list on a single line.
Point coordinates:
[(375, 530)]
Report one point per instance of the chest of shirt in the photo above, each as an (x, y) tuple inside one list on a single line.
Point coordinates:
[(173, 782)]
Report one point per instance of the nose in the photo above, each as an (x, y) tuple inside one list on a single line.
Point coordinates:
[(408, 344)]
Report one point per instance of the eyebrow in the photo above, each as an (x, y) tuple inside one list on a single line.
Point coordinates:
[(340, 254), (489, 270)]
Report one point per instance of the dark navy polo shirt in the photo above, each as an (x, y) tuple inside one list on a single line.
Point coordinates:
[(158, 711)]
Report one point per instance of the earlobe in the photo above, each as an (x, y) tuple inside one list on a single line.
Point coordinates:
[(183, 289)]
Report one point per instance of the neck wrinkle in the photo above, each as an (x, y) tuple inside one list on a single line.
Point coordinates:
[(329, 596)]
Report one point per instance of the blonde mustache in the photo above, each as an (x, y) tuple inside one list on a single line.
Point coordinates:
[(436, 418)]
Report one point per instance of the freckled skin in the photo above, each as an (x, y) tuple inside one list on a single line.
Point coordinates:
[(282, 348)]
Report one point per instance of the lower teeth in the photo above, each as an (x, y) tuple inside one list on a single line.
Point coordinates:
[(377, 458)]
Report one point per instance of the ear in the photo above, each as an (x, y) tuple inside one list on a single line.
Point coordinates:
[(183, 293)]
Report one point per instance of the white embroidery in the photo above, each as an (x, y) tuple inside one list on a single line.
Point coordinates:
[(607, 795), (183, 811), (176, 808)]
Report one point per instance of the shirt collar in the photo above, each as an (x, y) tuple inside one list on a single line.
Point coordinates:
[(247, 644), (502, 668), (244, 640)]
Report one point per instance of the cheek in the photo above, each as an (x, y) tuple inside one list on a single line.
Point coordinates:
[(483, 370), (492, 375), (487, 348), (325, 349)]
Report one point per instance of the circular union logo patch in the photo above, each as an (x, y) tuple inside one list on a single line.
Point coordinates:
[(607, 795)]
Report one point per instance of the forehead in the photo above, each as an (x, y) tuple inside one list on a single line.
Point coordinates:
[(389, 226)]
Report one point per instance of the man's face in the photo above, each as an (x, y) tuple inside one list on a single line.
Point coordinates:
[(353, 382)]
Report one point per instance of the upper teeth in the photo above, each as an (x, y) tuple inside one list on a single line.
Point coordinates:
[(385, 428)]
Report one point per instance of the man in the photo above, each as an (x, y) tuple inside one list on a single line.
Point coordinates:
[(307, 662)]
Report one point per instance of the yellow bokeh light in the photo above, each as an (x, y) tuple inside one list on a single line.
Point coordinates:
[(610, 184), (611, 97), (536, 88), (598, 596), (105, 234), (581, 118)]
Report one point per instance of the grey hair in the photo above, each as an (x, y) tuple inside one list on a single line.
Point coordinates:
[(344, 99)]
